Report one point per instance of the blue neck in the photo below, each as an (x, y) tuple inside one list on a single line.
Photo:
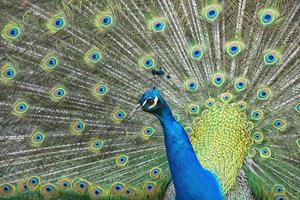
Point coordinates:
[(191, 180)]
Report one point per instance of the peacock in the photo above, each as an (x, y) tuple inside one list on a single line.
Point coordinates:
[(217, 84)]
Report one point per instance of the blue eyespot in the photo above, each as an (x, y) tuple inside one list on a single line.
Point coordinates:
[(10, 73), (279, 124), (97, 192), (218, 79), (267, 18), (149, 186), (49, 188), (39, 137), (298, 107), (234, 49), (280, 198), (256, 114), (99, 90), (149, 63), (66, 184), (240, 84), (106, 20), (209, 103), (242, 105), (118, 187), (6, 188), (149, 131), (58, 23), (155, 172), (52, 62), (265, 152), (98, 144), (226, 97), (79, 125), (95, 56), (34, 181), (122, 159), (212, 11), (13, 32), (270, 58), (211, 14), (263, 94), (128, 191), (258, 137), (120, 115), (79, 185), (197, 53), (60, 92), (278, 189), (191, 85), (57, 93), (82, 185), (22, 107), (102, 89), (7, 72), (193, 109), (158, 25)]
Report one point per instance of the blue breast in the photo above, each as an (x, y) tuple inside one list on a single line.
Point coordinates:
[(191, 180)]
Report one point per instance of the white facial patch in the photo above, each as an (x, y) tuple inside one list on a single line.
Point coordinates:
[(155, 103)]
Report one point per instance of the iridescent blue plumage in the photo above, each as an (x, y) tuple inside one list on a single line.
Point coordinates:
[(191, 180)]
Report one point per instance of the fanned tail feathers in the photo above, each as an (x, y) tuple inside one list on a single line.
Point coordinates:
[(72, 70)]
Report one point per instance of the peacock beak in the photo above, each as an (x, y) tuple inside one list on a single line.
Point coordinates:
[(137, 108)]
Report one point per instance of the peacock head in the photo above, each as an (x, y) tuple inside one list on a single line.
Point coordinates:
[(151, 101)]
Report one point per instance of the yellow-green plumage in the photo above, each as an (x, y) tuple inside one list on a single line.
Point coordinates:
[(221, 140)]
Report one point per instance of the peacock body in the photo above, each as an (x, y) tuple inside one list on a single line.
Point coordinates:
[(72, 70)]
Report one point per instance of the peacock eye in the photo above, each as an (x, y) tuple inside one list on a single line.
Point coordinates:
[(150, 102)]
